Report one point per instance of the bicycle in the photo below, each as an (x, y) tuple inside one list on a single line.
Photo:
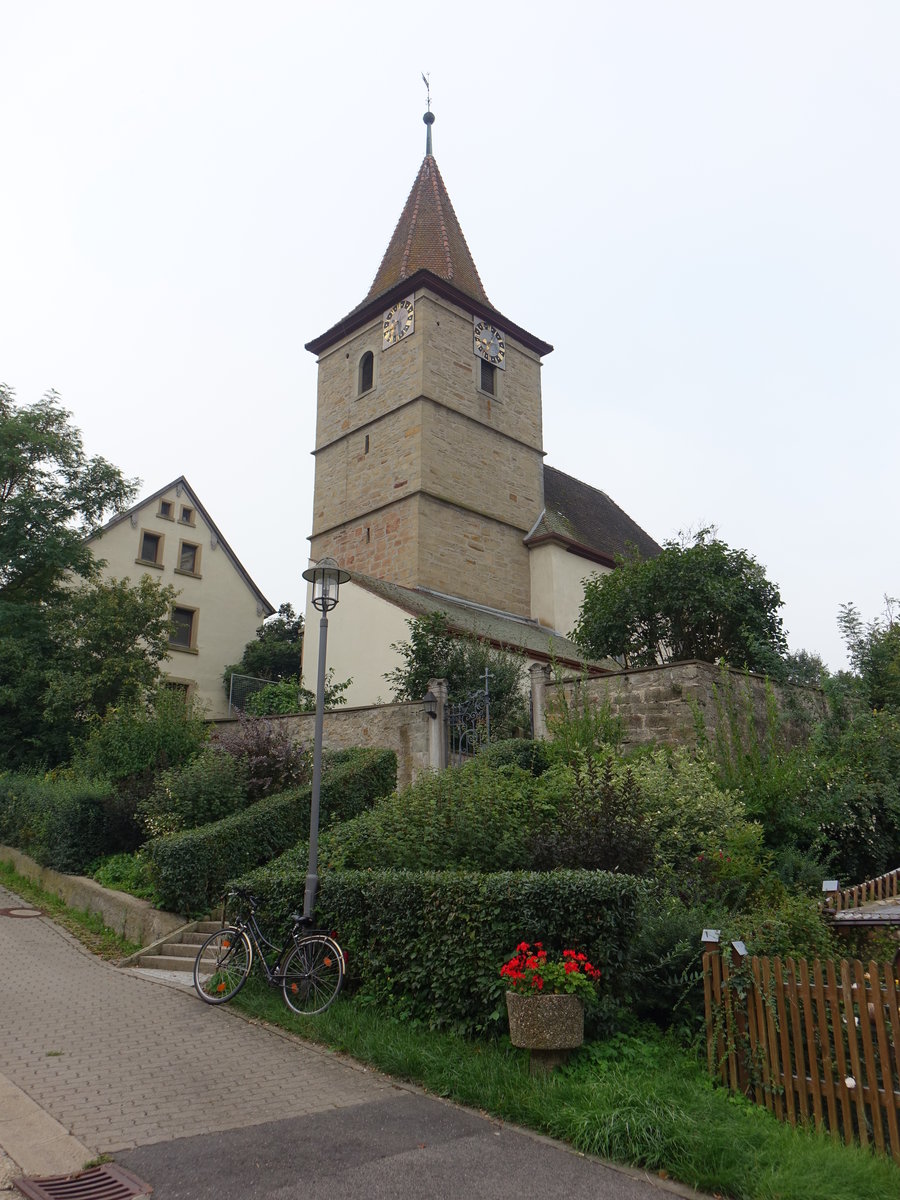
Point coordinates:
[(309, 968)]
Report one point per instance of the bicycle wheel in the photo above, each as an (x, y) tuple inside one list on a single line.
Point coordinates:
[(222, 965), (313, 974)]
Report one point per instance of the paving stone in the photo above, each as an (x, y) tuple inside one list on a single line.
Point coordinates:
[(142, 1062)]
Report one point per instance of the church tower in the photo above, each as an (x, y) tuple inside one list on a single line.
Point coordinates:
[(429, 456)]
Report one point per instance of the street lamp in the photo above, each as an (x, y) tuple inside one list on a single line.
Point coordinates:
[(326, 578)]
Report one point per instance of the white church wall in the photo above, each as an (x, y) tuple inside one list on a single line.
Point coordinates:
[(557, 585), (361, 631)]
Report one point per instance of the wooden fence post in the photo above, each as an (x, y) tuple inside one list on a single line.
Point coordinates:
[(712, 998)]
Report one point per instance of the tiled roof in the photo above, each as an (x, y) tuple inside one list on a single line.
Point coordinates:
[(499, 628), (585, 517), (428, 237)]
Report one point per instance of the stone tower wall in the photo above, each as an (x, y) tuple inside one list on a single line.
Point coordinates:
[(426, 479)]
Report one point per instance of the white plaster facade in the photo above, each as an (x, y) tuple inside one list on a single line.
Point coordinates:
[(557, 584), (170, 537)]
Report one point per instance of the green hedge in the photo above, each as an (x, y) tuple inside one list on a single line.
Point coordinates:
[(63, 823), (532, 756), (190, 869), (430, 944)]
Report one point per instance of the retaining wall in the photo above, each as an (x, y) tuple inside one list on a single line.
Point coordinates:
[(667, 704)]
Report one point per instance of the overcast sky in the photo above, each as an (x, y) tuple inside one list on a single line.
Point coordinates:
[(696, 203)]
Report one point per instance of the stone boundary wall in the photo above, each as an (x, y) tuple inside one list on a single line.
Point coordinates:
[(664, 704), (132, 918), (403, 728)]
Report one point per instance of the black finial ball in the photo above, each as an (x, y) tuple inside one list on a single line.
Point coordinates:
[(429, 118)]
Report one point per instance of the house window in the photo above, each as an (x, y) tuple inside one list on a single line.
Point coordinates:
[(181, 687), (166, 510), (366, 372), (187, 515), (488, 377), (189, 558), (184, 629), (151, 549)]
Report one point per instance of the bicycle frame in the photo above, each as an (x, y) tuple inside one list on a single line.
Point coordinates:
[(249, 925)]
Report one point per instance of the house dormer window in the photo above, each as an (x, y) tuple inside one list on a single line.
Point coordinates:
[(366, 372)]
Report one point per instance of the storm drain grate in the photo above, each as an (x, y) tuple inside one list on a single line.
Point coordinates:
[(108, 1182)]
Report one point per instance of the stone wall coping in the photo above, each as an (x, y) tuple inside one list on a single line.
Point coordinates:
[(708, 667), (344, 710)]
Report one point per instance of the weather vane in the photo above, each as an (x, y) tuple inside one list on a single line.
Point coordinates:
[(429, 116)]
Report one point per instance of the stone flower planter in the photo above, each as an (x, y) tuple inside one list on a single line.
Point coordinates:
[(549, 1026)]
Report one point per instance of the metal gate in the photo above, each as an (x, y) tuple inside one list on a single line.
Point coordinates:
[(469, 723)]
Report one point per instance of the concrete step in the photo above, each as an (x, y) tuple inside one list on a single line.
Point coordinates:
[(165, 962), (177, 950)]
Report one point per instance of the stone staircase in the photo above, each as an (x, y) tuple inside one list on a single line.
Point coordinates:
[(177, 951)]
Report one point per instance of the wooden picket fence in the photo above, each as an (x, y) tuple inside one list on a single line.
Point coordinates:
[(884, 887), (816, 1044)]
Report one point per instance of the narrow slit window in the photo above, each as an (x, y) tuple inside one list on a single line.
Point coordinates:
[(366, 372), (488, 377)]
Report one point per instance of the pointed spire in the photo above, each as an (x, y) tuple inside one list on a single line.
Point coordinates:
[(428, 236)]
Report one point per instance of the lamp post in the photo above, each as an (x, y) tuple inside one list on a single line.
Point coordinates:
[(326, 578)]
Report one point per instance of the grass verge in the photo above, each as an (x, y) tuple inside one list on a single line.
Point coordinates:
[(87, 927), (639, 1100)]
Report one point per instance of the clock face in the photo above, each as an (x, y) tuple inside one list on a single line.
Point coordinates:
[(489, 343), (399, 322)]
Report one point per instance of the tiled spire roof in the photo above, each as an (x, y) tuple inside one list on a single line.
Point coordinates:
[(428, 237)]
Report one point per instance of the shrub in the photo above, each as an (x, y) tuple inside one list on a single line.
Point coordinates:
[(353, 780), (473, 816), (532, 756), (190, 869), (62, 823), (687, 811), (134, 742), (273, 760), (211, 786), (581, 724), (789, 926), (858, 805), (601, 824), (430, 944)]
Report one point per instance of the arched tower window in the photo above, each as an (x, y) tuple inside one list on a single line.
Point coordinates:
[(366, 372)]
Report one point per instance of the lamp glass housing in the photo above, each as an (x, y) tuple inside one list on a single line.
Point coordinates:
[(326, 577)]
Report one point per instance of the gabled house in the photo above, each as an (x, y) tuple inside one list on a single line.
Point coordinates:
[(430, 476), (171, 537)]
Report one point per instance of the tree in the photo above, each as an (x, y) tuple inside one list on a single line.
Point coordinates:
[(435, 652), (275, 654), (110, 638), (51, 497), (874, 653), (700, 600), (65, 653)]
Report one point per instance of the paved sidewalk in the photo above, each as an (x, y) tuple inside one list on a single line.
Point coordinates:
[(201, 1103), (120, 1061)]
